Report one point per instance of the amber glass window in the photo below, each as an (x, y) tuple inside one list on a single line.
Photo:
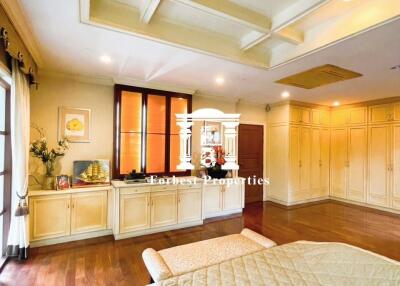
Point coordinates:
[(146, 137)]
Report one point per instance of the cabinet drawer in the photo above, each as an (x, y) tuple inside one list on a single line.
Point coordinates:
[(164, 188), (133, 190), (191, 186)]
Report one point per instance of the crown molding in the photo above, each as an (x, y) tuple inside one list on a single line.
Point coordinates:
[(76, 77), (153, 85), (19, 19)]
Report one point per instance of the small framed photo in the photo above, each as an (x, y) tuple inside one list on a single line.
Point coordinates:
[(211, 134), (74, 124), (62, 182)]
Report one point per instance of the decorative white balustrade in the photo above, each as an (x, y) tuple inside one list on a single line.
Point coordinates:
[(229, 123)]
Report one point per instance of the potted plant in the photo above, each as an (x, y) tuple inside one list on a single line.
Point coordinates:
[(40, 149), (213, 161)]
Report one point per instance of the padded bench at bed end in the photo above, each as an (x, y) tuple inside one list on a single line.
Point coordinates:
[(258, 238), (185, 258), (155, 264)]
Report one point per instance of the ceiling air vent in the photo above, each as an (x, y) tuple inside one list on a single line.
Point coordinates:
[(319, 76)]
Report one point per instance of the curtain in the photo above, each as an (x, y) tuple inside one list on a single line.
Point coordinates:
[(18, 238)]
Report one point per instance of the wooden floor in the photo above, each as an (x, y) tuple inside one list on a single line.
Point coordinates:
[(103, 261)]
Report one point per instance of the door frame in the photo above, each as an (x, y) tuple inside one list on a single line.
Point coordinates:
[(264, 166)]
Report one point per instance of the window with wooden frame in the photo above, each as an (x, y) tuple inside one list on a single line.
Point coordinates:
[(5, 166), (146, 137)]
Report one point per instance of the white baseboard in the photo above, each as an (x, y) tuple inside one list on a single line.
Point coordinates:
[(69, 238), (288, 204), (222, 213), (119, 236), (366, 205)]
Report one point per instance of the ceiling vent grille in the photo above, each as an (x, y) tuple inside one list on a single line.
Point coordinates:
[(319, 76)]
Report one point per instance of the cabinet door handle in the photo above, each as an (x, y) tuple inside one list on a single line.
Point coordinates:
[(300, 164), (179, 198), (67, 206), (320, 163)]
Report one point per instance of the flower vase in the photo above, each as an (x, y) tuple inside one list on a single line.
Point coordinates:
[(216, 172), (48, 181)]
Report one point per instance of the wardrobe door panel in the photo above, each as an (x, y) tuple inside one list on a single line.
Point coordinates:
[(315, 169), (294, 154), (305, 162), (325, 162), (357, 155), (379, 165), (396, 167), (338, 162)]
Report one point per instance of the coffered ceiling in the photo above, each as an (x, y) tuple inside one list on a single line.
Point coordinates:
[(262, 33), (184, 45)]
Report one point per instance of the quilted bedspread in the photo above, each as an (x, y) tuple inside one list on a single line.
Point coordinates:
[(297, 263)]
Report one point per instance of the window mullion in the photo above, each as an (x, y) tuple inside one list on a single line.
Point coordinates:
[(144, 132)]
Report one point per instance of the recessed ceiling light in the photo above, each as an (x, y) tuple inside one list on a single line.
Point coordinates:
[(105, 59), (336, 103), (220, 80), (346, 0), (285, 94)]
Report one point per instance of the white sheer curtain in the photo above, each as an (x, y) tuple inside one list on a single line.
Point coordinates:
[(18, 238)]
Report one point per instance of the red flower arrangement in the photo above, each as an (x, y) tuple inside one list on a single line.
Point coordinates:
[(213, 160)]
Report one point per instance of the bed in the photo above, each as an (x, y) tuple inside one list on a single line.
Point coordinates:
[(297, 263)]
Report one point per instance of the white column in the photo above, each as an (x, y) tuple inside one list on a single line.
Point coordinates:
[(185, 153), (230, 145)]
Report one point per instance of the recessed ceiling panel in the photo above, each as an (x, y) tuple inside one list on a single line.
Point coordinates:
[(319, 76)]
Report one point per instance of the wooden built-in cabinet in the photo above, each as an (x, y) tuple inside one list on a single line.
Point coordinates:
[(304, 139), (49, 216), (356, 157), (134, 211), (348, 116), (222, 199), (189, 205), (163, 208), (384, 165), (383, 113), (349, 162), (65, 214), (88, 212), (149, 209)]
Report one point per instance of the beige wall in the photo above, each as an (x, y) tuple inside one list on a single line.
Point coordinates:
[(55, 91)]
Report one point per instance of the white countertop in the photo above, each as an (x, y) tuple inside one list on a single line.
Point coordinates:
[(187, 180), (32, 193)]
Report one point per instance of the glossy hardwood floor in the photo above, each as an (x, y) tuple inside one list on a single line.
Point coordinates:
[(103, 261)]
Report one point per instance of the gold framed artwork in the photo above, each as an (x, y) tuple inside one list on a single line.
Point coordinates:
[(74, 124)]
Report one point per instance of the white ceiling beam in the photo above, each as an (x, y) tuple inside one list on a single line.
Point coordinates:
[(280, 23), (148, 9), (251, 39), (295, 12), (230, 11)]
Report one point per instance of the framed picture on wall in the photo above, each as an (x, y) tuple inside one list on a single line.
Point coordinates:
[(74, 124), (211, 134)]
